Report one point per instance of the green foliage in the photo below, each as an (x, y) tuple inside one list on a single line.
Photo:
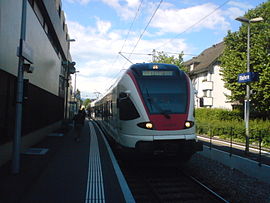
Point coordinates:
[(234, 60), (161, 57), (229, 124), (86, 102), (217, 114)]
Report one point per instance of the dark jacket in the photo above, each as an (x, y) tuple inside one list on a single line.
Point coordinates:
[(79, 118)]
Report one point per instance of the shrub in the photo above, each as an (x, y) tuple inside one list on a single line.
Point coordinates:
[(227, 124), (218, 114)]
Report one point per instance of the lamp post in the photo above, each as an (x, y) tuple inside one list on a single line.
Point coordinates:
[(247, 100), (74, 94), (19, 97), (75, 83)]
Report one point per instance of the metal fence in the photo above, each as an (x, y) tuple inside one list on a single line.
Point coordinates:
[(258, 139)]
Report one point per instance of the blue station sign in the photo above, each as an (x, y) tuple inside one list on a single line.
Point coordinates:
[(248, 77)]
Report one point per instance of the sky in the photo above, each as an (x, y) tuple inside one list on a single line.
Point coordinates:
[(135, 28)]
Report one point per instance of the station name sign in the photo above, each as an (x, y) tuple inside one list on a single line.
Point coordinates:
[(248, 77), (26, 52)]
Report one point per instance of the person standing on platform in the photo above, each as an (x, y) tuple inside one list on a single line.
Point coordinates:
[(79, 123)]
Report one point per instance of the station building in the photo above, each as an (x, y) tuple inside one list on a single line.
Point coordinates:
[(47, 89)]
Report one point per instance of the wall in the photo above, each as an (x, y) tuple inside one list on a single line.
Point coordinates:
[(27, 141), (43, 107), (46, 62), (10, 13), (217, 93), (219, 90)]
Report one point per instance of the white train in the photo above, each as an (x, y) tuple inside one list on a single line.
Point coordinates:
[(150, 110)]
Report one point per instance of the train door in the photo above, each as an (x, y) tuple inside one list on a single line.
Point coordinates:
[(118, 122)]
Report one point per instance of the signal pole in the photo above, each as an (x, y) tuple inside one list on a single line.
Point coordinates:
[(19, 97)]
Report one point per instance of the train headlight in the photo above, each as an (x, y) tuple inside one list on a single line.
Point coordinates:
[(146, 125), (149, 125), (189, 124)]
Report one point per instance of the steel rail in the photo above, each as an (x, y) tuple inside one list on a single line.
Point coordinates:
[(208, 189)]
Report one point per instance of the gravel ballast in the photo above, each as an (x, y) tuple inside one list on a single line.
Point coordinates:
[(231, 184)]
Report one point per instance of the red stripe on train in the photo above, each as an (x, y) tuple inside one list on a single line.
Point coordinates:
[(175, 122)]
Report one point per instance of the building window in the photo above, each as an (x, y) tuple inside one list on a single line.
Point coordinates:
[(192, 67), (38, 14), (31, 2), (127, 110), (59, 11), (204, 93), (46, 28), (210, 93), (45, 24), (205, 77)]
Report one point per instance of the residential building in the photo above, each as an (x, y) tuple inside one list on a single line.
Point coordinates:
[(207, 80), (46, 89)]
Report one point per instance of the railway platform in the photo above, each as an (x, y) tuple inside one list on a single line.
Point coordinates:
[(255, 164), (84, 171), (68, 171), (261, 156)]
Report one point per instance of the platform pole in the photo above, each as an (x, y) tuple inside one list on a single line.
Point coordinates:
[(19, 97)]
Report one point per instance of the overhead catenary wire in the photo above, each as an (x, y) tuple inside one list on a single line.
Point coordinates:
[(136, 15), (126, 58), (196, 23), (165, 52), (130, 27), (179, 53), (150, 20), (136, 53)]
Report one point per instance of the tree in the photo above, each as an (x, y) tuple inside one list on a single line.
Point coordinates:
[(161, 57), (78, 97), (234, 60), (86, 102)]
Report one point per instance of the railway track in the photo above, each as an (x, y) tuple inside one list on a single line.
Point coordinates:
[(158, 181), (162, 180), (147, 181)]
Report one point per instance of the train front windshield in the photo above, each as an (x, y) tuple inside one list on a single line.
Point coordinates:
[(164, 92)]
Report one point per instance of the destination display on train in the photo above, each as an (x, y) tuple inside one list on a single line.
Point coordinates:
[(157, 73)]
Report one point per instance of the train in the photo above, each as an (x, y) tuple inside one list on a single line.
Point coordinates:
[(150, 111)]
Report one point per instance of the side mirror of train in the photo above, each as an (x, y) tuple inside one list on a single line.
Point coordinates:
[(122, 97)]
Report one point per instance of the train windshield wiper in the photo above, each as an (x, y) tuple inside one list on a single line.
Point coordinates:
[(149, 99), (166, 114), (151, 102)]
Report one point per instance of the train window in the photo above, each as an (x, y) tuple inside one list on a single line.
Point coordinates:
[(164, 94), (127, 110)]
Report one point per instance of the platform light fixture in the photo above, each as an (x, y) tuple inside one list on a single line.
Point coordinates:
[(71, 40), (247, 100), (75, 83)]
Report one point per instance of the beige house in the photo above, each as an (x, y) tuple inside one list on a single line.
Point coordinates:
[(206, 78)]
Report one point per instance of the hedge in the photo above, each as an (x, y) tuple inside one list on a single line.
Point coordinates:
[(229, 124)]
